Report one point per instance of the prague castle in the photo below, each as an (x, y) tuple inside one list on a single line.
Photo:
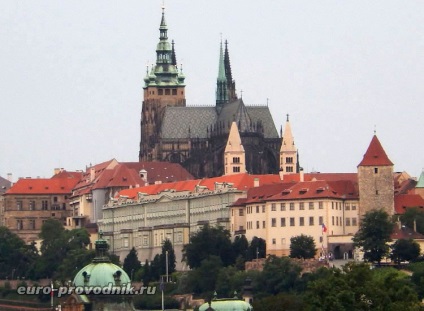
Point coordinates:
[(196, 137)]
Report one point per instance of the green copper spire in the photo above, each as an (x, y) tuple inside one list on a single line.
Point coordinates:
[(221, 83), (420, 183), (165, 72)]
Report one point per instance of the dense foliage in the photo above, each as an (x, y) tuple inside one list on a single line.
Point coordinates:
[(302, 246), (374, 234)]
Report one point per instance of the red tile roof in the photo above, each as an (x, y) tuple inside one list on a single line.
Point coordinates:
[(160, 171), (342, 189), (405, 233), (119, 176), (321, 176), (375, 155), (404, 201), (239, 181), (43, 186), (66, 174)]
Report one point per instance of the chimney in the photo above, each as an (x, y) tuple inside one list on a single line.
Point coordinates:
[(281, 173), (9, 177), (301, 174), (256, 182), (56, 171), (92, 173)]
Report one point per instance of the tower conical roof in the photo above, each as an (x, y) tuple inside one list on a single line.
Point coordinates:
[(234, 140), (288, 139), (375, 155), (420, 183)]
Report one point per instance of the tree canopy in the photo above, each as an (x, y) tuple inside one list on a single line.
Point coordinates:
[(405, 250), (131, 263), (209, 241), (302, 246), (374, 234)]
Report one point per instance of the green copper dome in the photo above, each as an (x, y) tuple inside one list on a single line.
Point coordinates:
[(227, 305), (101, 272)]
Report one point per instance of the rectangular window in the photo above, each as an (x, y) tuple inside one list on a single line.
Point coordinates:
[(353, 207), (292, 221), (257, 209), (292, 206), (160, 92), (236, 169), (241, 212), (174, 91), (257, 224), (320, 205), (347, 222), (347, 207), (274, 222), (337, 221), (274, 241), (289, 169), (32, 224), (19, 205), (354, 222), (375, 170), (301, 206), (236, 159), (31, 205), (263, 208), (311, 205), (320, 220), (44, 205), (320, 239), (289, 159), (311, 221), (332, 220), (145, 241), (19, 224), (283, 241), (283, 222), (332, 205), (167, 92), (301, 221), (263, 224), (273, 207), (282, 207)]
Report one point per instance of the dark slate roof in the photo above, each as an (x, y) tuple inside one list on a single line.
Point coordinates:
[(262, 113), (4, 185), (178, 120), (236, 111)]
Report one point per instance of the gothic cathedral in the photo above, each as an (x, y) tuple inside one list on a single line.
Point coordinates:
[(196, 137)]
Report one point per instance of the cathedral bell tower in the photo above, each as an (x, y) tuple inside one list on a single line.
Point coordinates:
[(163, 87), (288, 152), (375, 179)]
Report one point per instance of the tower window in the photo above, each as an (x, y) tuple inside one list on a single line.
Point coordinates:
[(289, 160), (167, 92), (236, 169), (160, 92), (236, 160), (289, 169), (174, 91), (375, 170)]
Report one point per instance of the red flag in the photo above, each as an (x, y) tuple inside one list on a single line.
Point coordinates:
[(324, 228)]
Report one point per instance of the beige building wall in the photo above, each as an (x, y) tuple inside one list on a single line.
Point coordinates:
[(145, 223), (278, 221)]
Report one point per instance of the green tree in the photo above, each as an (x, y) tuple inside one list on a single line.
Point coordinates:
[(280, 274), (146, 276), (167, 248), (374, 234), (203, 278), (257, 249), (131, 263), (281, 302), (16, 258), (302, 246), (209, 241), (411, 215), (405, 250)]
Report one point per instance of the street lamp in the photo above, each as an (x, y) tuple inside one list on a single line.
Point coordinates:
[(166, 266)]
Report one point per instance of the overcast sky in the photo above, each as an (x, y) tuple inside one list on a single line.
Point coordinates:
[(71, 75)]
